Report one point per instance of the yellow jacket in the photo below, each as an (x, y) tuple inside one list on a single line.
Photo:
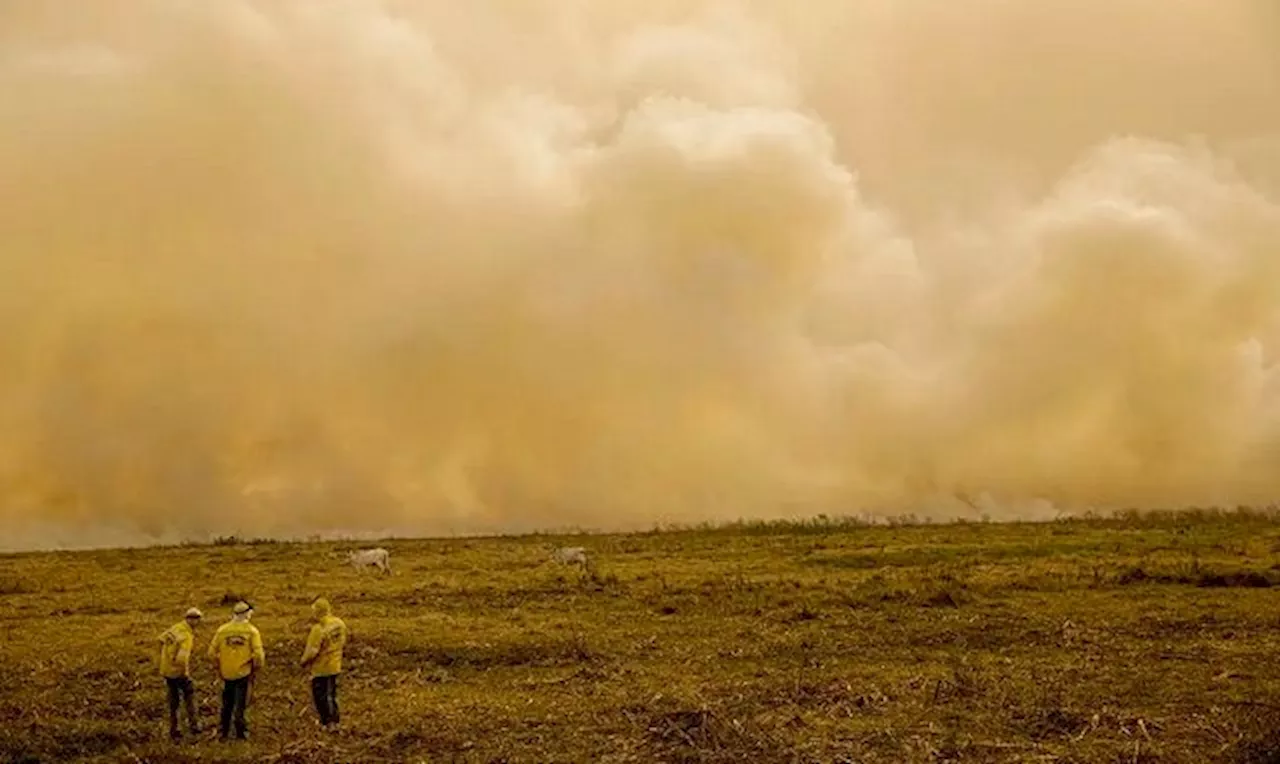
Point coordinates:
[(325, 642), (175, 651), (237, 647)]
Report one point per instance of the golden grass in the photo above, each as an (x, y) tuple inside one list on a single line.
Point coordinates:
[(1131, 639)]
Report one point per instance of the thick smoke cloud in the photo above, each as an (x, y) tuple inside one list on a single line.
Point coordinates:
[(295, 266)]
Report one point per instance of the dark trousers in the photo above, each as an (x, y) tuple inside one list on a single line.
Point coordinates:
[(324, 691), (235, 696), (181, 693)]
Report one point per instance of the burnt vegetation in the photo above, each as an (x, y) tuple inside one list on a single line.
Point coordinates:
[(1129, 638)]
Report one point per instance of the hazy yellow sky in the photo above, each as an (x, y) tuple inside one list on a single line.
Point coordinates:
[(293, 266)]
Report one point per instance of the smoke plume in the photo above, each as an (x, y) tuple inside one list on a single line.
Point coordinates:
[(306, 266)]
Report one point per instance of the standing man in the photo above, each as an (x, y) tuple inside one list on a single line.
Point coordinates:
[(323, 654), (175, 666), (237, 649)]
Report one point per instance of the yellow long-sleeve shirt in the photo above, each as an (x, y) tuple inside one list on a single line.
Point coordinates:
[(175, 651), (237, 647), (324, 646)]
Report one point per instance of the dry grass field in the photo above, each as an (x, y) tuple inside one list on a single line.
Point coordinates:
[(1130, 639)]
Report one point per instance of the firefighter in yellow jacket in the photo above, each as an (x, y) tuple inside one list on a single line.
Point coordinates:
[(237, 649), (176, 644), (323, 654)]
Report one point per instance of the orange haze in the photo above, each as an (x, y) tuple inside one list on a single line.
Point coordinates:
[(295, 266)]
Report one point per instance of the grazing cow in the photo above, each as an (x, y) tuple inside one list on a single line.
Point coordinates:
[(371, 558), (571, 555)]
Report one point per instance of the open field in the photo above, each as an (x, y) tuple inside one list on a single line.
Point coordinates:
[(1130, 639)]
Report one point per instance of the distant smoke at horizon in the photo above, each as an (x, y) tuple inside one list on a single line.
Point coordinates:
[(293, 267)]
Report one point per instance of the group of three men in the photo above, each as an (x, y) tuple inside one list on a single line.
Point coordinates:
[(236, 649)]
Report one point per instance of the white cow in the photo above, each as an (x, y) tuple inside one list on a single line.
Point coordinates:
[(371, 558), (571, 555)]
